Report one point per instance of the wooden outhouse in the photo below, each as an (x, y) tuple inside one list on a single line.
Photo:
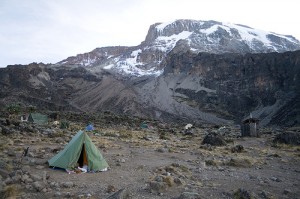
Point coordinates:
[(249, 127)]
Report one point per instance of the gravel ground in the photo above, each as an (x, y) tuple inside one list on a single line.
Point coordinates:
[(147, 165)]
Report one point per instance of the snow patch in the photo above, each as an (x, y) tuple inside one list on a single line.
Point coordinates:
[(108, 67), (175, 37), (131, 66), (162, 26), (132, 70), (166, 44), (250, 34)]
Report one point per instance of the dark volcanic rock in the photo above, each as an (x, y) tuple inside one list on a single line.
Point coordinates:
[(232, 85), (214, 139), (237, 149), (288, 138)]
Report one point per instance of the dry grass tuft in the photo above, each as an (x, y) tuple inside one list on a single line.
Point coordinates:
[(10, 191), (239, 162), (169, 181), (211, 162)]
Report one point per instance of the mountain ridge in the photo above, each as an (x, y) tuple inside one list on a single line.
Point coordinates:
[(165, 78)]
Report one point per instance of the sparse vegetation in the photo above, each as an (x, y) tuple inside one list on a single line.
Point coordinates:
[(14, 108), (211, 162), (64, 124), (239, 162), (9, 191)]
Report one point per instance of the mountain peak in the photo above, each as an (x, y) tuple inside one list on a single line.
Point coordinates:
[(218, 37), (186, 35)]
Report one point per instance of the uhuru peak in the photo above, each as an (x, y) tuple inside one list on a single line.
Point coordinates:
[(185, 70)]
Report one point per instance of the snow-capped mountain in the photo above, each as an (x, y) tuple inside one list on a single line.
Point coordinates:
[(186, 35), (208, 72)]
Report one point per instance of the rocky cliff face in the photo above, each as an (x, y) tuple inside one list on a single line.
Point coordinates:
[(43, 86), (234, 85)]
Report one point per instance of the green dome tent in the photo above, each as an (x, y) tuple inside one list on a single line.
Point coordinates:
[(38, 118), (79, 151)]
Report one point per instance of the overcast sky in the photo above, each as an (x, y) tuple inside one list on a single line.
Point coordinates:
[(51, 30)]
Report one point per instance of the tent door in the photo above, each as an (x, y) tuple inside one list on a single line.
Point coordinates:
[(83, 159)]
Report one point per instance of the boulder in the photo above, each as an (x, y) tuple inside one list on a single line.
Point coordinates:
[(289, 137), (214, 139), (237, 149)]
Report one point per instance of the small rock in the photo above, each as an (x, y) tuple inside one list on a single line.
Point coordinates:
[(147, 138), (189, 195), (28, 187), (110, 189), (11, 153), (221, 169), (39, 167), (32, 162), (54, 184), (179, 181), (26, 168), (3, 173), (121, 160), (59, 140), (41, 161), (275, 179), (162, 150), (69, 195), (242, 194), (38, 186), (121, 194), (36, 177), (157, 187), (286, 191), (158, 179), (57, 194), (237, 149), (44, 190), (67, 184), (45, 177), (16, 178), (30, 154), (265, 195)]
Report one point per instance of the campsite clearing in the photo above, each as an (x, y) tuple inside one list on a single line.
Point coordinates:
[(151, 163)]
